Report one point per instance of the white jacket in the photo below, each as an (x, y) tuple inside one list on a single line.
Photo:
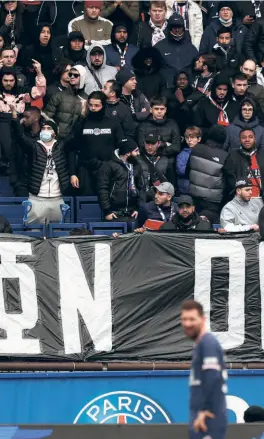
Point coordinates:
[(195, 20)]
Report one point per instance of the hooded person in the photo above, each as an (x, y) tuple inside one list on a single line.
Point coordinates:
[(41, 51), (177, 50), (182, 100), (147, 64), (97, 71), (246, 118), (94, 28), (66, 107), (74, 50), (120, 52), (227, 17), (218, 108)]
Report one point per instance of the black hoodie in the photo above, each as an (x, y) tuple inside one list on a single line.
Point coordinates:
[(66, 52), (149, 79)]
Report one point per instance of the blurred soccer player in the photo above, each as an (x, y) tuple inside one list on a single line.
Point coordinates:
[(208, 416)]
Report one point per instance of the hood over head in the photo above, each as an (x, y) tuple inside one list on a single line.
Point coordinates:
[(251, 102), (114, 29), (88, 59), (189, 89), (82, 71), (38, 30), (221, 80), (75, 56), (144, 53)]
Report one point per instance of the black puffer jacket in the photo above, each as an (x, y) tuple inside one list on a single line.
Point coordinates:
[(168, 131), (38, 157), (113, 186), (254, 41), (154, 171)]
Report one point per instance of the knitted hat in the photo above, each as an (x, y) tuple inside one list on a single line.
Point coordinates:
[(227, 4), (75, 35), (51, 124), (120, 26), (126, 146), (91, 3), (124, 75)]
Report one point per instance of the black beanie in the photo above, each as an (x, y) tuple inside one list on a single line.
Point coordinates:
[(75, 35), (254, 414), (227, 4), (217, 133), (126, 146), (124, 75), (51, 124)]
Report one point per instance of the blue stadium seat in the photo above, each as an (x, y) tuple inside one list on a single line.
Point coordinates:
[(36, 230), (216, 227), (107, 228), (55, 230), (12, 209), (70, 216), (5, 189), (87, 210)]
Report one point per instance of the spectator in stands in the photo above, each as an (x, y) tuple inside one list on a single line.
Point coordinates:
[(11, 22), (62, 79), (186, 219), (20, 166), (254, 413), (74, 50), (250, 11), (120, 52), (192, 15), (120, 183), (257, 90), (207, 179), (228, 60), (192, 137), (218, 108), (149, 33), (49, 177), (4, 225), (183, 99), (254, 42), (246, 163), (176, 49), (154, 214), (65, 107), (99, 135), (147, 64), (245, 119), (41, 50), (117, 109), (154, 164), (205, 71), (241, 214), (97, 71), (131, 96), (94, 28), (120, 11), (228, 19), (3, 41), (8, 59)]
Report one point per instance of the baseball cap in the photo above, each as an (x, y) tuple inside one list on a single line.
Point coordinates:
[(243, 183), (166, 187), (176, 20), (96, 49), (152, 138), (185, 199)]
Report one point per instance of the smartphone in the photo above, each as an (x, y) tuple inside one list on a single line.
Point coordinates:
[(253, 16)]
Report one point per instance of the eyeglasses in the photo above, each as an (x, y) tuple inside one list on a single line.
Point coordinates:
[(74, 75)]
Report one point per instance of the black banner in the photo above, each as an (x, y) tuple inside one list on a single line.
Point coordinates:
[(103, 299), (172, 431)]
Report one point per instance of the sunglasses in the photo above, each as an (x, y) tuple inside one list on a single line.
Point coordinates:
[(74, 75)]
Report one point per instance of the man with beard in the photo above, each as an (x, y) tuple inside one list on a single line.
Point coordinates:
[(208, 376), (97, 71), (228, 60), (249, 68), (186, 219), (120, 52), (205, 71), (96, 143)]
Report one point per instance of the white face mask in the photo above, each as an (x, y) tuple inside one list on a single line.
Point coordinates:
[(45, 136)]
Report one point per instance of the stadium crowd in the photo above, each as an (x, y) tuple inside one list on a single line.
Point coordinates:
[(155, 107)]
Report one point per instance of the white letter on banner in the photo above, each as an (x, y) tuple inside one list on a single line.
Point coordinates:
[(205, 250), (14, 324), (76, 296), (261, 284)]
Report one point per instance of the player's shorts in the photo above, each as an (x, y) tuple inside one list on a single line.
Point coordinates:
[(215, 434)]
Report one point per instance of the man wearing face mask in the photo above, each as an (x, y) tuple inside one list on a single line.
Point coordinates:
[(48, 178), (177, 50)]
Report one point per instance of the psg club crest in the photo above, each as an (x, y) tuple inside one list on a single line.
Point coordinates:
[(122, 407)]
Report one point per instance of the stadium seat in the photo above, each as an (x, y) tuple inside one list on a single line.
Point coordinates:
[(107, 228), (87, 210), (70, 216), (36, 230), (5, 189), (55, 230), (11, 208), (216, 227)]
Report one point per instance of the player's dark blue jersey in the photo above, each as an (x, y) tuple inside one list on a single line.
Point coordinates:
[(208, 381)]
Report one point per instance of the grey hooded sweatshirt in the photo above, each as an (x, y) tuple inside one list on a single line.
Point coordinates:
[(239, 215), (103, 74)]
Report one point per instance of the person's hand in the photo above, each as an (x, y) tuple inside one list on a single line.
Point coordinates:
[(254, 227), (179, 95), (75, 181), (199, 423), (110, 217), (1, 63), (140, 230), (220, 230), (13, 110), (115, 235), (84, 105), (134, 214), (143, 110), (9, 19), (37, 67), (248, 19)]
